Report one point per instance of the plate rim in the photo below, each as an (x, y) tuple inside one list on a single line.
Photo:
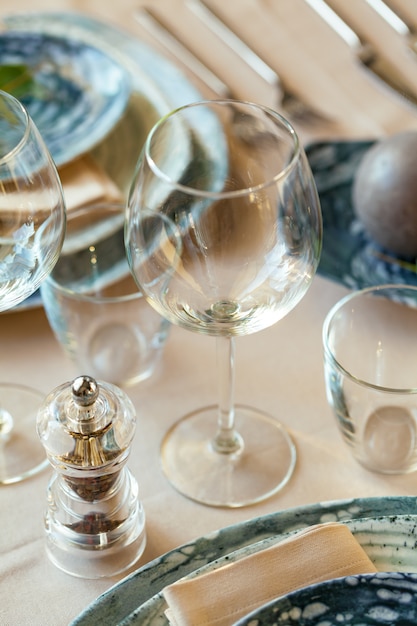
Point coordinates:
[(152, 607), (289, 519), (118, 99), (255, 617)]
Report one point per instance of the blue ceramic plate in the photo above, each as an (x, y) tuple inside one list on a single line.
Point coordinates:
[(385, 528), (362, 600), (387, 540), (349, 256), (74, 92), (156, 87)]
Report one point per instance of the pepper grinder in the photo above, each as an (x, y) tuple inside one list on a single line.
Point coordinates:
[(94, 522)]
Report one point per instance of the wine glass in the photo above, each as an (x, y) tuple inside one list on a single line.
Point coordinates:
[(223, 235), (32, 225)]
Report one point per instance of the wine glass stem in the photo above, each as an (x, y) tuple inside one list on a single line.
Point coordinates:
[(227, 439)]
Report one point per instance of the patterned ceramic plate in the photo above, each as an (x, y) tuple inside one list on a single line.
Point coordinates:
[(362, 600), (74, 92), (385, 527), (156, 87), (349, 256)]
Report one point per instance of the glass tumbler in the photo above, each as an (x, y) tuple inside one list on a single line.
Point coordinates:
[(94, 306), (370, 365)]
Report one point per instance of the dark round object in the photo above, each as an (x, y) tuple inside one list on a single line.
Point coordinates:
[(385, 193)]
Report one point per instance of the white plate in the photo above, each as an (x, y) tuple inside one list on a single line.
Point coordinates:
[(388, 539)]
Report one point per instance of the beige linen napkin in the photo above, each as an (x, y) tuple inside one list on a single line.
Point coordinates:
[(222, 596), (85, 183)]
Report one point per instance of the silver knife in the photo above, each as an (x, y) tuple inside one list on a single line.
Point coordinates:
[(160, 32), (397, 23), (223, 32), (363, 50)]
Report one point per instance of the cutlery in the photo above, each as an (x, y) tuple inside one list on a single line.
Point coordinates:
[(161, 33), (297, 110), (402, 28), (366, 54), (212, 20)]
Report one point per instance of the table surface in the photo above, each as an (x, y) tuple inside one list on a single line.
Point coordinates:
[(279, 370)]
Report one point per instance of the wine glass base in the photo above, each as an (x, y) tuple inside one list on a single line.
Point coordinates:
[(260, 470), (21, 452)]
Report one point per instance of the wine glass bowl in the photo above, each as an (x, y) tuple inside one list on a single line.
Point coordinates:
[(31, 206), (224, 236), (32, 226)]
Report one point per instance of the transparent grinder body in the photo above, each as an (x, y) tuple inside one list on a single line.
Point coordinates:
[(94, 521)]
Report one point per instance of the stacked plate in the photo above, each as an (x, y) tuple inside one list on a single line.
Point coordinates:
[(73, 59), (83, 84), (385, 527), (74, 92)]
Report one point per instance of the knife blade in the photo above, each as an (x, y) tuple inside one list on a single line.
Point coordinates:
[(221, 30), (161, 33), (365, 53), (396, 22)]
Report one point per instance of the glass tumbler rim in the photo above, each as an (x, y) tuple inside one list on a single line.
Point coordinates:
[(116, 207), (273, 180), (328, 352), (97, 299), (10, 154)]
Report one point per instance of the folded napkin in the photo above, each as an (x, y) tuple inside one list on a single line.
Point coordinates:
[(222, 596), (85, 183)]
